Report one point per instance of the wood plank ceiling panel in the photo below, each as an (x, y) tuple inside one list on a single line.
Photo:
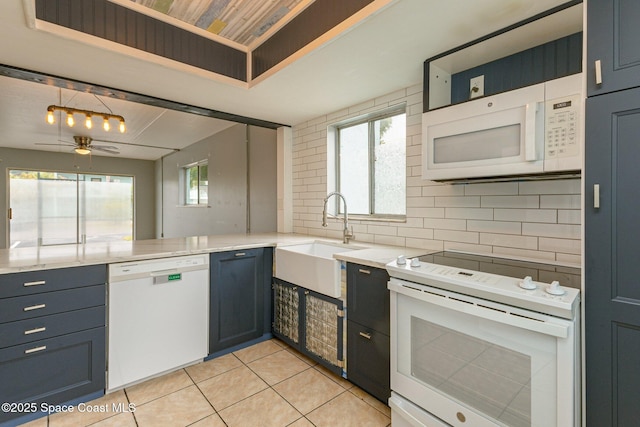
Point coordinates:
[(241, 21)]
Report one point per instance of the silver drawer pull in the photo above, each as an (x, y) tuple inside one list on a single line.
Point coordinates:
[(36, 283), (240, 254), (34, 307), (365, 335), (35, 330), (35, 349), (363, 271)]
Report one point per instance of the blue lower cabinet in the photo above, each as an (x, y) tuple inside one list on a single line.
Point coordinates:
[(240, 306), (52, 340)]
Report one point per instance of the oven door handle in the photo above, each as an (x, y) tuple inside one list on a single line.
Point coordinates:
[(487, 310)]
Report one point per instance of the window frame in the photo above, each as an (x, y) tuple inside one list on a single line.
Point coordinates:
[(185, 183), (80, 238), (369, 119)]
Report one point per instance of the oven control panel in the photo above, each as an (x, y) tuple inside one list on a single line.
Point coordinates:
[(549, 298)]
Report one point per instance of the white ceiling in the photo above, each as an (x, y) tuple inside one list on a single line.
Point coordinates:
[(379, 55)]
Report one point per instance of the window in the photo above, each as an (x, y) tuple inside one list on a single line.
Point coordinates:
[(196, 184), (371, 165), (52, 208)]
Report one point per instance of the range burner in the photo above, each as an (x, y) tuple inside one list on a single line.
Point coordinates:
[(545, 288)]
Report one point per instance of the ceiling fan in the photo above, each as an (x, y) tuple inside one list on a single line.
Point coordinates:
[(83, 145)]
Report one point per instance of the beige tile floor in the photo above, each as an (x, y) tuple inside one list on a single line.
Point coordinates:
[(268, 384)]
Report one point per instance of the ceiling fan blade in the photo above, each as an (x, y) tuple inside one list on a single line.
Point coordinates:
[(105, 150), (135, 145), (108, 147), (57, 143)]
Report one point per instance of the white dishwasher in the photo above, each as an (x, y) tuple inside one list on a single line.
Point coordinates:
[(158, 317)]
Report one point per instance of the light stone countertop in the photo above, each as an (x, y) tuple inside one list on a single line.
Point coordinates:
[(61, 256)]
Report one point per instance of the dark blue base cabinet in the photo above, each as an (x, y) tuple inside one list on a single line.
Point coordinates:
[(52, 340), (240, 299), (310, 322), (368, 327)]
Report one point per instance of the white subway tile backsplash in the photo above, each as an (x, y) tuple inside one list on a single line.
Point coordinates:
[(469, 213), (491, 189), (458, 202), (382, 230), (425, 212), (569, 217), (567, 231), (567, 246), (511, 241), (494, 227), (389, 240), (463, 247), (445, 224), (526, 215), (538, 220), (510, 201), (416, 233), (457, 236), (560, 202), (523, 254), (442, 190), (560, 186), (428, 245), (573, 260)]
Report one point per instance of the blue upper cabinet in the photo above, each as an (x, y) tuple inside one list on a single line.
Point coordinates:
[(613, 50)]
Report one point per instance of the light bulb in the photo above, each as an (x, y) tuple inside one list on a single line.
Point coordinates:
[(122, 127), (50, 117), (88, 123), (70, 120), (82, 151), (106, 125)]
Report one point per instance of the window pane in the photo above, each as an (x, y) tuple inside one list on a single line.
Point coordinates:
[(52, 207), (106, 208), (354, 168), (191, 182), (44, 208), (203, 186), (390, 165)]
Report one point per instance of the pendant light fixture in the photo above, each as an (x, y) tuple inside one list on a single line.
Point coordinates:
[(70, 112)]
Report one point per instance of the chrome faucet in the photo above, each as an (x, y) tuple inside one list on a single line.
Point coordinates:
[(346, 233)]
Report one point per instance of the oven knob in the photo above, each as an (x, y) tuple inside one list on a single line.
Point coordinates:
[(415, 262), (527, 283), (555, 289), (402, 260)]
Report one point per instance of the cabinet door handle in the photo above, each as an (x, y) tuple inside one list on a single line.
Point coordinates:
[(363, 271), (34, 307), (35, 349), (35, 330), (365, 335), (596, 196), (240, 254), (598, 66), (36, 283)]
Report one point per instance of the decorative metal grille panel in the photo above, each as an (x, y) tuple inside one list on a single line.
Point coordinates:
[(322, 329), (286, 303)]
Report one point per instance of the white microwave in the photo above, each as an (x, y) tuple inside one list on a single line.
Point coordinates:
[(521, 133)]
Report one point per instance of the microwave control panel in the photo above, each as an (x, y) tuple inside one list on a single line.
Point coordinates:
[(561, 127)]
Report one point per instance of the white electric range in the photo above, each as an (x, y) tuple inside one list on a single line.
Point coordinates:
[(484, 341)]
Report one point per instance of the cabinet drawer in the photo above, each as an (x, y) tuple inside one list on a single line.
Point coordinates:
[(368, 297), (31, 282), (368, 360), (29, 306), (54, 371), (38, 328)]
